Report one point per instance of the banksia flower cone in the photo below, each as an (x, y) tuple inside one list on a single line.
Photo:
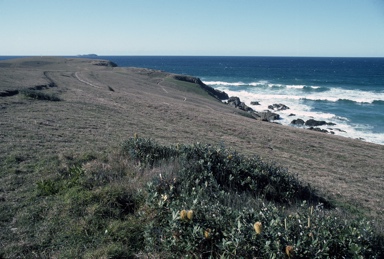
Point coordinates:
[(190, 214), (207, 233), (258, 227), (183, 214), (289, 251), (136, 136)]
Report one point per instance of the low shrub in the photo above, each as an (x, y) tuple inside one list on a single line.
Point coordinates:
[(181, 201), (38, 95), (228, 193), (225, 169)]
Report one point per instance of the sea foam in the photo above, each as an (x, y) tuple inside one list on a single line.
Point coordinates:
[(296, 98)]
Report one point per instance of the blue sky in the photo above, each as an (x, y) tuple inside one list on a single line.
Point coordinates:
[(193, 27)]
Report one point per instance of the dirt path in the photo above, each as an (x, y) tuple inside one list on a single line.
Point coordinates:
[(163, 88), (76, 74)]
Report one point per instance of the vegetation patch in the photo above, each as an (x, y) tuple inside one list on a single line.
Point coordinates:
[(242, 207), (38, 95), (200, 201)]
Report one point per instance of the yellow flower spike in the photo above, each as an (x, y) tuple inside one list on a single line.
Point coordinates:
[(289, 251), (258, 227), (135, 136), (183, 214), (207, 233), (190, 214), (309, 222), (229, 157)]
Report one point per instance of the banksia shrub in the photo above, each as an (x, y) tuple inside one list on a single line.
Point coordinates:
[(258, 227)]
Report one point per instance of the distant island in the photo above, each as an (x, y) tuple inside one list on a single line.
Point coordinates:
[(87, 55)]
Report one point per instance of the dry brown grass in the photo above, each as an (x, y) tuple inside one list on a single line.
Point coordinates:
[(92, 118)]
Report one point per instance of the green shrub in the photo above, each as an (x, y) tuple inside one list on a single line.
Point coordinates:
[(101, 209), (225, 169), (35, 94), (228, 193)]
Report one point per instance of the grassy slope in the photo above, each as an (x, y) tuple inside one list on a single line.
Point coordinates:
[(92, 118)]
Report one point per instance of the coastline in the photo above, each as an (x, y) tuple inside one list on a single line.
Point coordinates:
[(313, 88), (96, 118)]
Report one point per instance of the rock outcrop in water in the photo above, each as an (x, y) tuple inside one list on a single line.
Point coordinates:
[(278, 107), (259, 115), (235, 102), (298, 122), (266, 116)]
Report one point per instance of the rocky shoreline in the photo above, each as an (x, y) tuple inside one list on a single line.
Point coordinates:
[(270, 115)]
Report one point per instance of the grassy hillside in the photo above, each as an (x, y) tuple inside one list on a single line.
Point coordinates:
[(72, 186)]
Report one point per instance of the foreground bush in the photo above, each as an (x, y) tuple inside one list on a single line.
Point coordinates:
[(153, 201), (228, 194), (224, 169)]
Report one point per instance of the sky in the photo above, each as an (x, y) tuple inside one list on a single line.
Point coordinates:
[(337, 28)]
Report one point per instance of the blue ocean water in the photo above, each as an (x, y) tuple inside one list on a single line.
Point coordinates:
[(346, 91)]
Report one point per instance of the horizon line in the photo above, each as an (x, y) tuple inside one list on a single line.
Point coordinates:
[(156, 55)]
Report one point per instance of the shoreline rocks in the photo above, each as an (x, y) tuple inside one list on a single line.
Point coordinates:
[(271, 116), (235, 102), (266, 116), (278, 107), (298, 122)]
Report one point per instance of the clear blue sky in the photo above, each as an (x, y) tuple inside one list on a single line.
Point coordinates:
[(193, 27)]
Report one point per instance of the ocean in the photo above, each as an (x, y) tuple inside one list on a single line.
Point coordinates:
[(348, 92)]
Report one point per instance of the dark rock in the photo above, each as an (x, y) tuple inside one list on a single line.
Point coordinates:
[(278, 107), (255, 103), (235, 102), (318, 129), (297, 122), (244, 107), (266, 116), (292, 114), (340, 130), (331, 124), (314, 123), (104, 63)]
